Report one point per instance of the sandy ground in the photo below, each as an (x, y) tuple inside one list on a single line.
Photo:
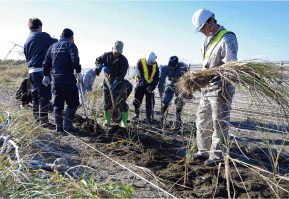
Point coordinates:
[(160, 159)]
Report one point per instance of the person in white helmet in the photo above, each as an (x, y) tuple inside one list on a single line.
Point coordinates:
[(219, 46), (147, 78)]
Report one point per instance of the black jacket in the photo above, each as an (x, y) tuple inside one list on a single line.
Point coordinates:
[(118, 68)]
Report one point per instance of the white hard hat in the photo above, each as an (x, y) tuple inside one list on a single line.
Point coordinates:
[(150, 58), (200, 18)]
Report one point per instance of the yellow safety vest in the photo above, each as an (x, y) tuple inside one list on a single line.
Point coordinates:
[(211, 47), (148, 78)]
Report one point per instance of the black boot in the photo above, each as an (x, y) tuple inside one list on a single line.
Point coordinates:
[(178, 123), (164, 114), (136, 114), (149, 115), (69, 116), (44, 118), (59, 122), (35, 110)]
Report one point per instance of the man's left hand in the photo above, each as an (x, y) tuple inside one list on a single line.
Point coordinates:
[(113, 85), (79, 77), (149, 89), (46, 81), (89, 89)]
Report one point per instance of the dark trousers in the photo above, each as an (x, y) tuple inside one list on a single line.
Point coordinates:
[(40, 93), (140, 92), (119, 97), (64, 92), (128, 88)]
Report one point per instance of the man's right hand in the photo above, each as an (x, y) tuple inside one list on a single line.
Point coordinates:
[(105, 69), (161, 94), (89, 89), (46, 80)]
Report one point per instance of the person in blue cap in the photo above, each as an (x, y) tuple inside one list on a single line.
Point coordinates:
[(62, 59), (115, 66), (173, 71), (35, 49)]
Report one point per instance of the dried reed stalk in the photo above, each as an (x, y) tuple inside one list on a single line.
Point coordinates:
[(258, 78)]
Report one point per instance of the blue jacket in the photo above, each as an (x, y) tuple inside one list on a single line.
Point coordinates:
[(62, 59), (36, 47), (173, 76), (140, 74)]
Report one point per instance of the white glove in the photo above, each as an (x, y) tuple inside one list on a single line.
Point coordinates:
[(46, 80), (79, 77)]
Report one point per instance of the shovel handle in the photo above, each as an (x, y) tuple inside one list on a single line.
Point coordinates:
[(83, 102), (110, 92)]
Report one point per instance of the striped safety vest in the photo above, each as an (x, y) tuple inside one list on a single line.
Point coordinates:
[(148, 78), (211, 47)]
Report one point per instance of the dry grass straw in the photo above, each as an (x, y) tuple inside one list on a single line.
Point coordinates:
[(260, 79)]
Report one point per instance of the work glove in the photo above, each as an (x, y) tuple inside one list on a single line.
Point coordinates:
[(46, 80), (149, 89), (89, 89), (105, 69), (79, 77), (101, 66), (113, 85)]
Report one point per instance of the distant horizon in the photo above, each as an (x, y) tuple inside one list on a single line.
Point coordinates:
[(163, 27)]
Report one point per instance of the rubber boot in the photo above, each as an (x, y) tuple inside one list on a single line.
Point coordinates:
[(136, 114), (178, 123), (124, 116), (69, 116), (35, 110), (107, 118), (149, 115), (44, 118), (58, 121), (164, 114)]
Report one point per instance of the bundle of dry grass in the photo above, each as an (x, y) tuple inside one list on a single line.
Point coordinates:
[(257, 78)]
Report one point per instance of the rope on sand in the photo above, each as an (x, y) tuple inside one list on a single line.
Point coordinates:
[(122, 166)]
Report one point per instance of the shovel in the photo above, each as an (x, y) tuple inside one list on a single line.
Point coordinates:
[(152, 101), (84, 105), (162, 122), (115, 112)]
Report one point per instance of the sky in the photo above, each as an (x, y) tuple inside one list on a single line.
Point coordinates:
[(164, 27)]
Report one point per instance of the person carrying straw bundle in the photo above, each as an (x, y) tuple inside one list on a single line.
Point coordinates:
[(219, 47)]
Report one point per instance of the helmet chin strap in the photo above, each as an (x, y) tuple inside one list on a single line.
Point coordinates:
[(211, 29)]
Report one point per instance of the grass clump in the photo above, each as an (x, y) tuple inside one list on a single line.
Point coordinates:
[(261, 79), (12, 73)]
